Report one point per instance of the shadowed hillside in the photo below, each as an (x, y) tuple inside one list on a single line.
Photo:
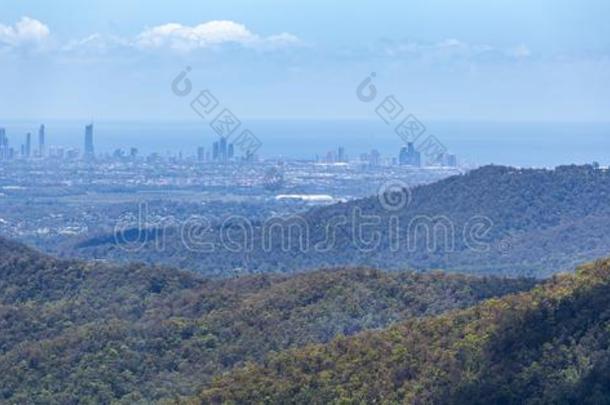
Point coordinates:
[(494, 219), (550, 345), (74, 332)]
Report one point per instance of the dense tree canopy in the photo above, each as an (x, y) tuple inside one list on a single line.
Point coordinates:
[(549, 345), (77, 332)]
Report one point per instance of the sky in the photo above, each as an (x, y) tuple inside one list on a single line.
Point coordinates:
[(471, 60)]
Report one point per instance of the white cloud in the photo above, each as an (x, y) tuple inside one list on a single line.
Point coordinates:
[(29, 33), (448, 49), (26, 32), (96, 43), (183, 38)]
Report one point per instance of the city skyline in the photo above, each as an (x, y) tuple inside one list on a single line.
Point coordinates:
[(523, 145), (304, 202), (221, 151)]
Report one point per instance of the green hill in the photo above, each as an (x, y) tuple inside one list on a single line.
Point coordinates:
[(77, 332), (537, 221), (547, 346)]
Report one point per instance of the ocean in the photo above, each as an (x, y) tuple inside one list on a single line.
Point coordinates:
[(518, 144)]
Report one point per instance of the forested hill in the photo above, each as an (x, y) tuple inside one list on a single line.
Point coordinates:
[(494, 219), (30, 277), (78, 332), (547, 346)]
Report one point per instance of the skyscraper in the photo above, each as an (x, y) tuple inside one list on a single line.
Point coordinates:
[(216, 151), (200, 154), (409, 156), (4, 151), (223, 149), (341, 154), (374, 157), (41, 146), (89, 150), (28, 145)]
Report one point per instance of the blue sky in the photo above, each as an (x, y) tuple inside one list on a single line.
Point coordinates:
[(518, 60)]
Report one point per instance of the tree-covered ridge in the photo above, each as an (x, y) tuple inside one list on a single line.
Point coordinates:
[(549, 345), (77, 332), (540, 222)]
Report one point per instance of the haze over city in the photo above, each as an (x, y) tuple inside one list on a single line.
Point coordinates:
[(304, 202)]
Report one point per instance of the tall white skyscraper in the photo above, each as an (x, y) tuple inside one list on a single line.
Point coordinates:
[(28, 145), (41, 141), (4, 150), (89, 150)]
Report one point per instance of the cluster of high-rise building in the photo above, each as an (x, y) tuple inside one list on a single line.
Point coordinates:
[(222, 151), (373, 158), (410, 156), (335, 156), (27, 151), (26, 148), (121, 154)]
